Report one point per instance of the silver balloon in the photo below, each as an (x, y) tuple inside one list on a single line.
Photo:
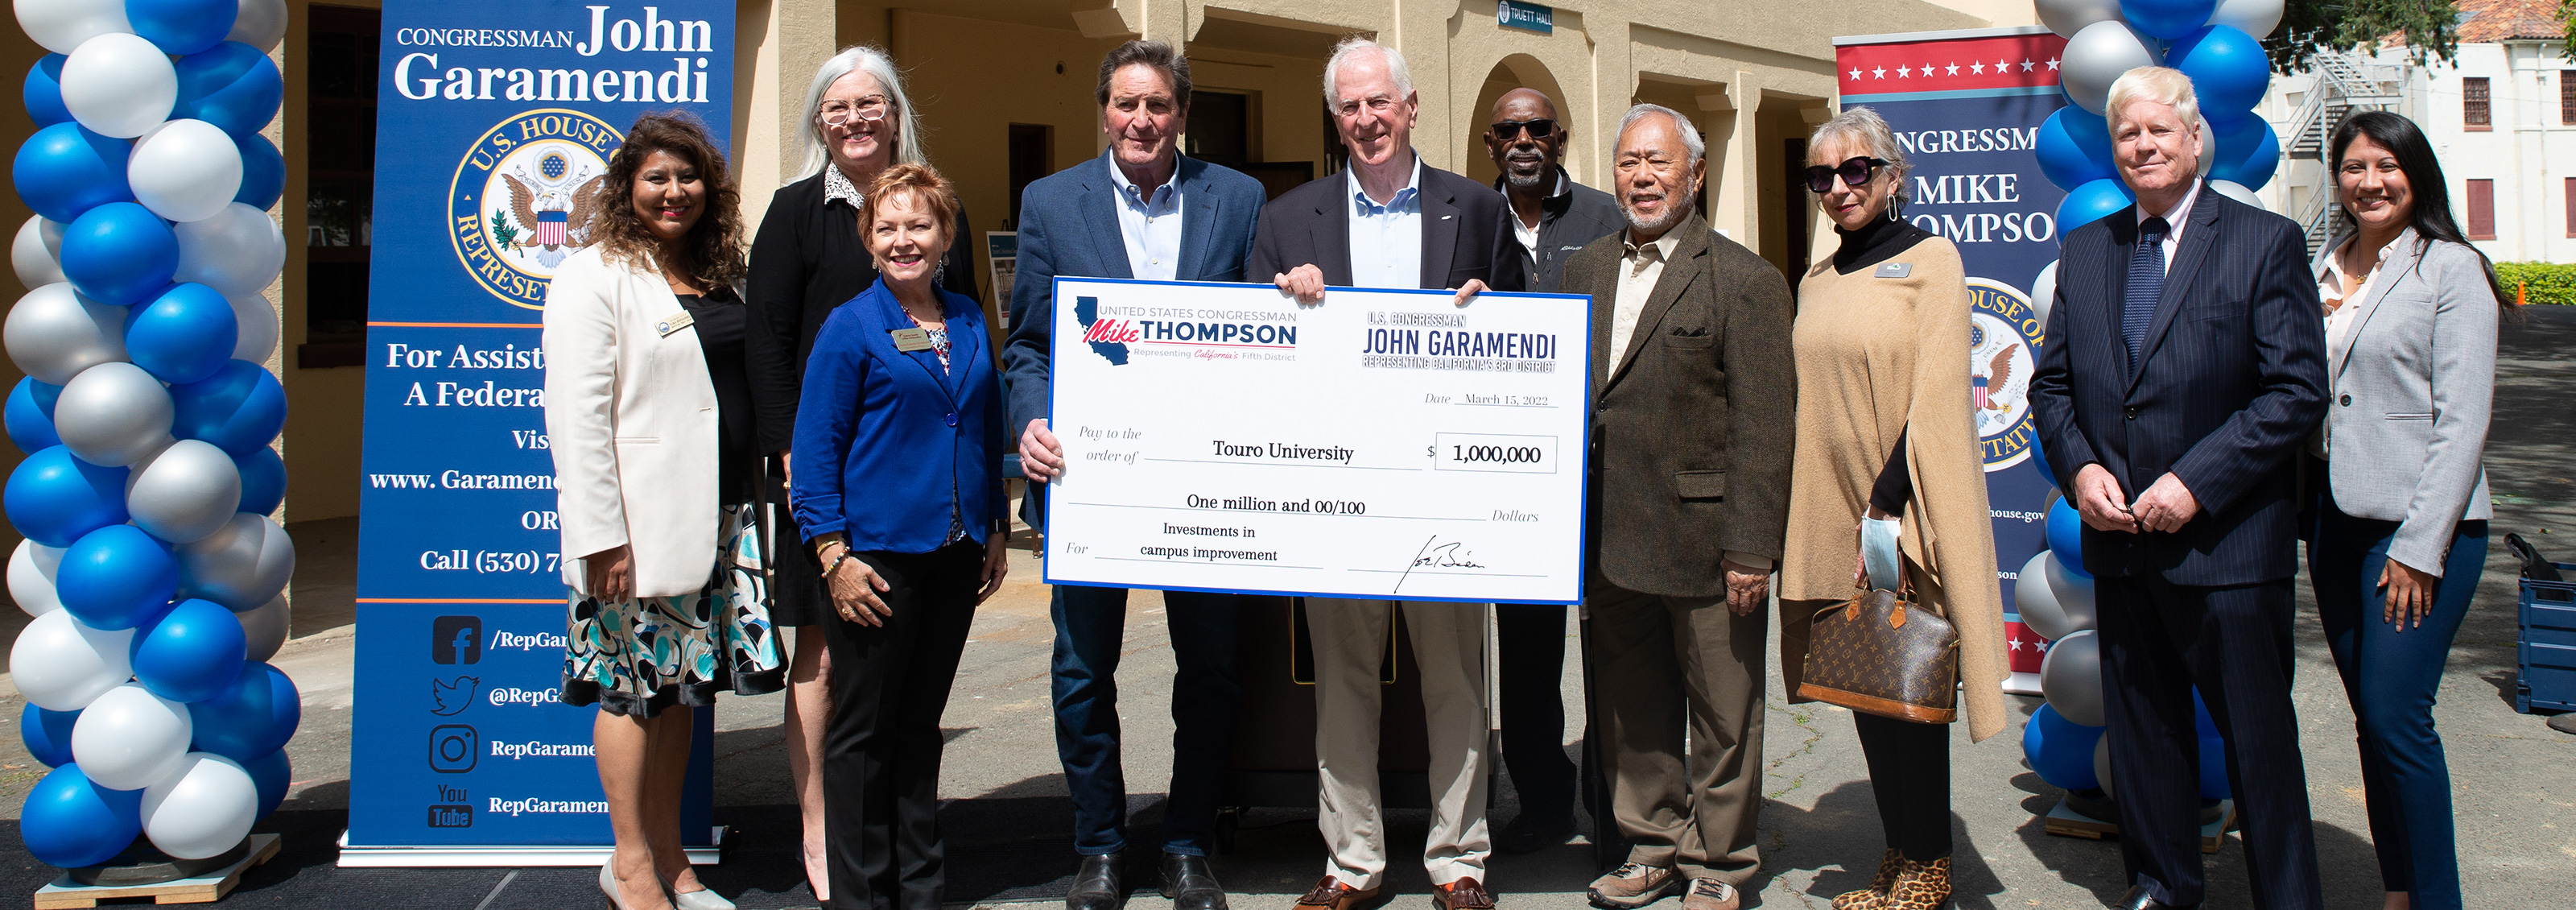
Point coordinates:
[(2254, 17), (2208, 147), (2071, 678), (2073, 592), (2043, 294), (260, 24), (2096, 56), (257, 337), (115, 414), (60, 665), (2066, 17), (241, 565), (185, 493), (129, 738), (266, 628), (2237, 191), (31, 577), (37, 253), (2102, 764), (54, 333), (2036, 603), (236, 251)]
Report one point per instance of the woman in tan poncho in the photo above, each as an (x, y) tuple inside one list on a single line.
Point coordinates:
[(1884, 429)]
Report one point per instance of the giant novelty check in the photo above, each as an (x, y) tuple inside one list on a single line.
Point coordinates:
[(1383, 444)]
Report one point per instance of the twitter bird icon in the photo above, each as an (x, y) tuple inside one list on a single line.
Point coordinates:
[(449, 699)]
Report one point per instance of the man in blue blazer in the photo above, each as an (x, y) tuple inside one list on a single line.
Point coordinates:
[(2185, 365), (1142, 211)]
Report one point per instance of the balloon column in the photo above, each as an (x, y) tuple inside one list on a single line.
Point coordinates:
[(152, 570)]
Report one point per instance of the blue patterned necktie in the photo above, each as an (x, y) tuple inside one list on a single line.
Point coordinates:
[(2146, 283)]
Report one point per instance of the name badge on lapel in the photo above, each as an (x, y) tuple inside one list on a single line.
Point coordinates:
[(1894, 269), (910, 340), (674, 323)]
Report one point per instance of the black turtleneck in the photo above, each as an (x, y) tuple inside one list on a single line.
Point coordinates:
[(1875, 242)]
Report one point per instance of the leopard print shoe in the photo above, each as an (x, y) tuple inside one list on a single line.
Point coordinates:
[(1874, 897), (1921, 886)]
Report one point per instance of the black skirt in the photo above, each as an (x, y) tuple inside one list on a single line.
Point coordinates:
[(796, 594)]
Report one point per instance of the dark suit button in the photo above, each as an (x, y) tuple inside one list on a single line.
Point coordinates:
[(2129, 412), (950, 417), (2347, 401)]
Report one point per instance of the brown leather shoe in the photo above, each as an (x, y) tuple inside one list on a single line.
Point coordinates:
[(1331, 894), (1633, 885), (1463, 894), (1711, 894)]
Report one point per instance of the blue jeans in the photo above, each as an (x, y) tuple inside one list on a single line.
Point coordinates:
[(2391, 678), (1090, 632)]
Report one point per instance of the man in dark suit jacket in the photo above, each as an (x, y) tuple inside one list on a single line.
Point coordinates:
[(1390, 221), (2170, 399), (1140, 210), (1691, 431)]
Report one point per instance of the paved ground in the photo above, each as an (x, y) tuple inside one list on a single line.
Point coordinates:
[(2514, 779)]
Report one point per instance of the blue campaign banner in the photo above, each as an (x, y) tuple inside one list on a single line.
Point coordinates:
[(497, 118), (1967, 107)]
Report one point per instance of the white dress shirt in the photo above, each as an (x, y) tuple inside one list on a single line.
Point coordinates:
[(2174, 222), (1527, 233), (1150, 223), (1386, 240)]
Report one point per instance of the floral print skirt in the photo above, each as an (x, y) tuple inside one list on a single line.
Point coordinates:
[(635, 657)]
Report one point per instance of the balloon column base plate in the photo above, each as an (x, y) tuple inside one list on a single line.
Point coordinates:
[(2064, 821), (63, 894)]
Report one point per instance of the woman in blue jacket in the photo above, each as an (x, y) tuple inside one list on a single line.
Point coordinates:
[(899, 493)]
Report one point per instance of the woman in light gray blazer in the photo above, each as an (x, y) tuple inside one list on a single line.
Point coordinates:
[(2399, 492)]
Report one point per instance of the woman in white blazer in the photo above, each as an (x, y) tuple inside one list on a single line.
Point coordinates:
[(2400, 497), (648, 414)]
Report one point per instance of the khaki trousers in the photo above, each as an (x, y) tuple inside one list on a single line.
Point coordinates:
[(1656, 660), (1449, 646)]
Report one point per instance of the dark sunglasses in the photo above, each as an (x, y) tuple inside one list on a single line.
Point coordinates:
[(1508, 130), (1856, 171)]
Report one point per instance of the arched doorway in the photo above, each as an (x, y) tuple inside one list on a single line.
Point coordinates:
[(1518, 71)]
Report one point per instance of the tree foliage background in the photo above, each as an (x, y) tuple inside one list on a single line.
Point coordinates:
[(2431, 28)]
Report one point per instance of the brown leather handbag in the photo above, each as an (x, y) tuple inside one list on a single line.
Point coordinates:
[(1882, 654)]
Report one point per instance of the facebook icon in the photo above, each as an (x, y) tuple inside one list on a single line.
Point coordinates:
[(456, 639)]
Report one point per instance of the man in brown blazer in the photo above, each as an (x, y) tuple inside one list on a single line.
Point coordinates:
[(1691, 433)]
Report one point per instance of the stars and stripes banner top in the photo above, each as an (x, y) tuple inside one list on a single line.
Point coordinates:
[(1949, 68)]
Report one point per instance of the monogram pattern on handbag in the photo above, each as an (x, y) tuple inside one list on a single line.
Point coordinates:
[(1880, 654)]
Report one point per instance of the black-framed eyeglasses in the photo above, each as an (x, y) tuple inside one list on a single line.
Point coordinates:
[(1508, 130), (1854, 172)]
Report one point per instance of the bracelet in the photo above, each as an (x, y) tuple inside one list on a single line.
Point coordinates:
[(836, 563)]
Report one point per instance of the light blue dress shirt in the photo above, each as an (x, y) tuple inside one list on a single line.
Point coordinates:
[(1150, 224), (1386, 240)]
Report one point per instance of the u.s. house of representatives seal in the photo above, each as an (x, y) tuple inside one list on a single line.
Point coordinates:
[(2004, 336), (523, 196)]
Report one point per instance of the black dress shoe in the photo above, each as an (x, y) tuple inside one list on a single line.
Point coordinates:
[(1189, 883), (2139, 899), (1096, 887), (1529, 832)]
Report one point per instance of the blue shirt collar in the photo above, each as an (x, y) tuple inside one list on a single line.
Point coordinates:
[(1128, 189), (1407, 199)]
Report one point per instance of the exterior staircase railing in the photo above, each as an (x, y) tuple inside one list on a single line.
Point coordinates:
[(2346, 83)]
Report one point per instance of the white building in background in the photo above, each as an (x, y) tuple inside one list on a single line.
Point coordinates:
[(2501, 114)]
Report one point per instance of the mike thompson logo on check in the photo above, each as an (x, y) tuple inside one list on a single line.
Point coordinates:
[(1207, 334)]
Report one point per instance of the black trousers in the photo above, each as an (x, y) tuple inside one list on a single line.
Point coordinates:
[(881, 753), (1530, 639), (2158, 641), (1909, 772)]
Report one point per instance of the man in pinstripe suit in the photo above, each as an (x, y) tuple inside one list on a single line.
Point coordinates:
[(2186, 362)]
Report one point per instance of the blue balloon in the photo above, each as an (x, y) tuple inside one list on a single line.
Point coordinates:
[(2074, 148), (44, 92), (2202, 725), (31, 422), (240, 408), (254, 716), (2247, 151), (2213, 768), (192, 654), (54, 499), (2167, 19), (120, 253), (263, 480), (117, 577), (2060, 750), (182, 26), (271, 774), (69, 822), (263, 172), (2091, 202), (2227, 67), (185, 336), (2039, 459), (2066, 536), (65, 169), (48, 734), (233, 86)]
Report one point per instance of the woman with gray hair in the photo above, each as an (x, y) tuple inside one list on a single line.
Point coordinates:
[(807, 260), (1887, 449)]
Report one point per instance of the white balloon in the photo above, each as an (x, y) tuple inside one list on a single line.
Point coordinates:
[(61, 665), (2066, 17), (61, 25), (2254, 17), (202, 809), (242, 565), (2071, 677), (261, 24), (2237, 191), (2036, 604), (2043, 293), (130, 739), (257, 337), (31, 577), (2208, 147), (114, 414), (185, 170), (2096, 56), (119, 85), (37, 253), (2102, 764), (184, 493), (267, 627), (54, 333), (2073, 592), (236, 251)]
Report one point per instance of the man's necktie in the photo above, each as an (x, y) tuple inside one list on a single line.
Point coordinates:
[(2146, 283)]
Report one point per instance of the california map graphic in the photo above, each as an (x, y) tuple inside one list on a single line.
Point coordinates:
[(1086, 310)]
